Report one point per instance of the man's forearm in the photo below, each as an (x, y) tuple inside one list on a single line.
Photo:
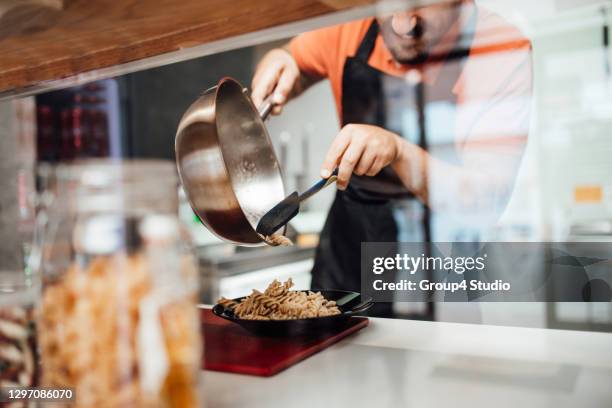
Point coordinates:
[(411, 167), (489, 174)]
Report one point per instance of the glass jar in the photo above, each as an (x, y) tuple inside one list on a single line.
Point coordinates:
[(118, 317), (19, 283)]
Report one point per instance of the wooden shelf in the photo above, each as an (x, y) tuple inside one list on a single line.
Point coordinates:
[(47, 40)]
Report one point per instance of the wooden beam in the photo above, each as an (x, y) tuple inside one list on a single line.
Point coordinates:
[(46, 40)]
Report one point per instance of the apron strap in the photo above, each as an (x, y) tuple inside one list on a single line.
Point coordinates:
[(367, 44)]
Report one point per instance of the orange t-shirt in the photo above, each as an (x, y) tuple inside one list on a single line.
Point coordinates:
[(505, 68)]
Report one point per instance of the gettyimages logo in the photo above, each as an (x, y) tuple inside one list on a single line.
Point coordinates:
[(411, 264)]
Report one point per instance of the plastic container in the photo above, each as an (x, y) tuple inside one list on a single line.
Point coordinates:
[(118, 317)]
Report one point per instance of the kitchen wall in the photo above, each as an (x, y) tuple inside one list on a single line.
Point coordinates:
[(155, 99)]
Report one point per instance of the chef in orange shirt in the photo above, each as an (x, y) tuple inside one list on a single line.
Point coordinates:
[(434, 107)]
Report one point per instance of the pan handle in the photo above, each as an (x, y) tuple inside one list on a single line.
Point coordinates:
[(363, 306), (265, 109), (266, 106)]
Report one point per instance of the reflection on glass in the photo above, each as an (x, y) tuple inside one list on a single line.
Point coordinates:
[(503, 108)]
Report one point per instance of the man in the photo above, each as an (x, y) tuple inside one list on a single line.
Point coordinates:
[(434, 105)]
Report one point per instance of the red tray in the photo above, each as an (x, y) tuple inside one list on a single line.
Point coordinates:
[(230, 348)]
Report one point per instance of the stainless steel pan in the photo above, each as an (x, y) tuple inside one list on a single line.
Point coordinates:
[(227, 163)]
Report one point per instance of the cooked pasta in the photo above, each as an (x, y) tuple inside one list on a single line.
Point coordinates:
[(277, 302), (278, 240)]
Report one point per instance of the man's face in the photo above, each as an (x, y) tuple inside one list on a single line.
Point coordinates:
[(411, 35)]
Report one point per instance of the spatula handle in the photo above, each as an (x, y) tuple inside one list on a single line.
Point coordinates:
[(320, 185)]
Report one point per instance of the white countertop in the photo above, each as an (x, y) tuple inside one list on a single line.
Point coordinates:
[(406, 363)]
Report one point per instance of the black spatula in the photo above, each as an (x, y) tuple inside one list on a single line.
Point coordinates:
[(284, 211)]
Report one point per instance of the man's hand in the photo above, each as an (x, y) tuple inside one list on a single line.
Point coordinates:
[(278, 75), (363, 150)]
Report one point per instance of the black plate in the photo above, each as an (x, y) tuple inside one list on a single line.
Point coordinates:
[(349, 303)]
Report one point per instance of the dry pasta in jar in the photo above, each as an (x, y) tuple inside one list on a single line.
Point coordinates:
[(118, 319)]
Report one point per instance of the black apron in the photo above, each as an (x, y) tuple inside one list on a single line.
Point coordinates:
[(364, 212)]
